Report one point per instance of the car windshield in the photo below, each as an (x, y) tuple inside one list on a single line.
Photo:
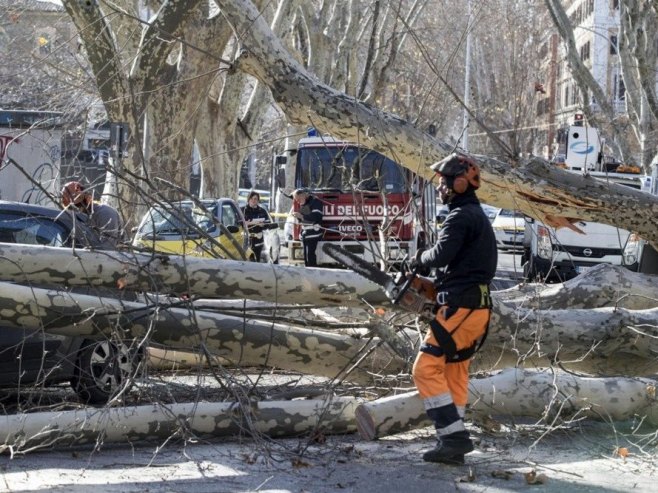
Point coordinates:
[(348, 168), (510, 213), (184, 219)]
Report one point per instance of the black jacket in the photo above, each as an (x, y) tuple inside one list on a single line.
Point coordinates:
[(251, 213), (311, 212), (466, 249)]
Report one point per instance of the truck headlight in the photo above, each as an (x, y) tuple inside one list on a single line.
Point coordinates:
[(631, 250), (544, 245)]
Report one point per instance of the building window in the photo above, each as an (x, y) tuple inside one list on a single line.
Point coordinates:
[(574, 95), (618, 88), (613, 44), (584, 52), (566, 95)]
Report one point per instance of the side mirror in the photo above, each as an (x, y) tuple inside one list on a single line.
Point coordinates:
[(529, 219)]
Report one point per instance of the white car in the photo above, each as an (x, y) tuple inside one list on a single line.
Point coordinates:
[(509, 227), (272, 250)]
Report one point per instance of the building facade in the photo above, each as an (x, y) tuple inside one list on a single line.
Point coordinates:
[(596, 33)]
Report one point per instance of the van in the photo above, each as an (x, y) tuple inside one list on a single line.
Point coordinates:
[(560, 254)]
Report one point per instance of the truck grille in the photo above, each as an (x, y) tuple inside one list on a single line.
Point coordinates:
[(587, 252)]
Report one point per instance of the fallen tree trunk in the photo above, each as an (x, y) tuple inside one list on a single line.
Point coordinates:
[(601, 286), (238, 340), (210, 278), (26, 432), (600, 341), (514, 393)]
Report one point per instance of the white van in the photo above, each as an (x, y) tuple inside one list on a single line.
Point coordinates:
[(561, 254)]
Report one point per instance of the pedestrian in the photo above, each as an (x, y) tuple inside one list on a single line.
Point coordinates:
[(256, 216), (310, 216), (465, 258), (104, 219)]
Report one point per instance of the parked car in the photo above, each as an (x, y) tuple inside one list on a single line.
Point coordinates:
[(95, 368), (490, 211), (272, 250), (441, 213), (509, 228), (195, 228)]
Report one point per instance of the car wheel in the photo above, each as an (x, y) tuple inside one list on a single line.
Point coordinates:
[(103, 369)]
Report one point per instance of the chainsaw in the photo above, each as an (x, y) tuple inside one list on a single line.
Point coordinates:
[(410, 292)]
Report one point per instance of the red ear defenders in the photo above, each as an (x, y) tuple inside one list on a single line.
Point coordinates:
[(459, 171)]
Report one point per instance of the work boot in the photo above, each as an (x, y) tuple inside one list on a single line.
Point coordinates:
[(450, 449)]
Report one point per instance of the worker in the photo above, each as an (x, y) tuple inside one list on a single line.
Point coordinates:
[(256, 217), (465, 259), (310, 217), (104, 219)]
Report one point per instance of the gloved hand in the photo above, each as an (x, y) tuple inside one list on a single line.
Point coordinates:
[(415, 261)]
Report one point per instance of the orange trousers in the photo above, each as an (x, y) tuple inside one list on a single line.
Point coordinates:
[(432, 376)]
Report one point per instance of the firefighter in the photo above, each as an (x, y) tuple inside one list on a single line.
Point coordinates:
[(310, 216), (465, 259), (104, 219), (256, 216)]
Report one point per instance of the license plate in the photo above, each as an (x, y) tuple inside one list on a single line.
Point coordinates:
[(582, 268)]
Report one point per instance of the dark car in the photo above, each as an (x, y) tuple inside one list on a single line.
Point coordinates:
[(95, 368)]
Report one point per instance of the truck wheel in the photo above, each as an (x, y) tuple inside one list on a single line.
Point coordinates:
[(104, 368)]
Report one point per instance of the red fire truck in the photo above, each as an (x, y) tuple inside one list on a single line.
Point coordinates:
[(373, 206)]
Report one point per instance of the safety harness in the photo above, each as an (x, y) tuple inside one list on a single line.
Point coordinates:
[(473, 298)]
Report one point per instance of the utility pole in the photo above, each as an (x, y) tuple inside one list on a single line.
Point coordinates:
[(467, 79)]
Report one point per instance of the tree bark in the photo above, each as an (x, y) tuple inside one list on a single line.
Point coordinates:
[(515, 392), (596, 340), (240, 341), (172, 274), (26, 432)]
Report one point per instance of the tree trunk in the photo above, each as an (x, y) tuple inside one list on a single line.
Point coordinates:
[(522, 393), (209, 278), (240, 341), (22, 433), (591, 339)]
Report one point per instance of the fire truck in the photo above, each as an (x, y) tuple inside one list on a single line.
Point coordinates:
[(372, 206)]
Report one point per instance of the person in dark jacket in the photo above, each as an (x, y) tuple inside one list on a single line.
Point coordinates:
[(465, 258), (310, 216), (103, 218), (256, 217)]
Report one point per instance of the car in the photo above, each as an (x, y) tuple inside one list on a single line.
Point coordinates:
[(96, 369), (213, 228), (509, 228), (490, 211), (442, 212), (272, 250)]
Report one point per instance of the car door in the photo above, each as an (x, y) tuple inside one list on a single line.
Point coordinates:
[(231, 218)]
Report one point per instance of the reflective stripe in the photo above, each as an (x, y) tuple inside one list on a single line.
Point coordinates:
[(461, 410), (316, 210), (452, 428), (437, 401)]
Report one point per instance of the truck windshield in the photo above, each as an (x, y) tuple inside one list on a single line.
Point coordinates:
[(348, 168)]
